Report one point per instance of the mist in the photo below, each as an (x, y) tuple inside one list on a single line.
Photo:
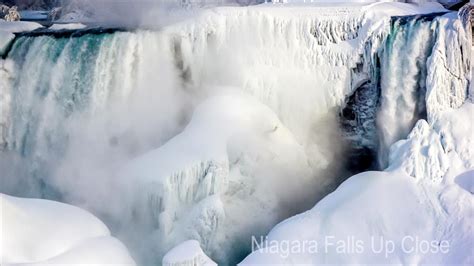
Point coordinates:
[(130, 14)]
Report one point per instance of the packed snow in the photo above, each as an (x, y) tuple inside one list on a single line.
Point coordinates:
[(42, 232)]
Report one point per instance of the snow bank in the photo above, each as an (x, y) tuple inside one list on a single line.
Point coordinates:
[(187, 253), (41, 232), (392, 207)]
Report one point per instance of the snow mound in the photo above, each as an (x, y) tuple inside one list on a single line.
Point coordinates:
[(203, 183), (438, 151), (187, 253), (41, 232), (391, 214)]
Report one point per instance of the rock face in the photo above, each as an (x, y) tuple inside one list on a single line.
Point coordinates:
[(13, 14), (3, 10)]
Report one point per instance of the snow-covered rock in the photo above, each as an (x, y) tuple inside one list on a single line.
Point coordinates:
[(41, 232), (187, 253), (8, 28), (13, 14)]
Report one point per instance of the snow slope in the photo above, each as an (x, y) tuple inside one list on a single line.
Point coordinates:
[(43, 232), (423, 197)]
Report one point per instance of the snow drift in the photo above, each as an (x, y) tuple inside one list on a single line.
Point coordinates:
[(41, 232)]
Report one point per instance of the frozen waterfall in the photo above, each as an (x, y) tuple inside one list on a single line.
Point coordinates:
[(180, 125)]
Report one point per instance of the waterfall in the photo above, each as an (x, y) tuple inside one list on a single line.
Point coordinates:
[(417, 70), (63, 83), (59, 86), (403, 78)]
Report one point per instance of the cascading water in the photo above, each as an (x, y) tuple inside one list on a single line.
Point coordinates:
[(58, 83), (403, 78), (384, 108)]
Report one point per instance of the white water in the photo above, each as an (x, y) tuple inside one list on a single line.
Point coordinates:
[(424, 73)]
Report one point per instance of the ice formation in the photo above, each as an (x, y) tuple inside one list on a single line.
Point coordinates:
[(429, 79), (215, 127), (187, 253), (41, 232)]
